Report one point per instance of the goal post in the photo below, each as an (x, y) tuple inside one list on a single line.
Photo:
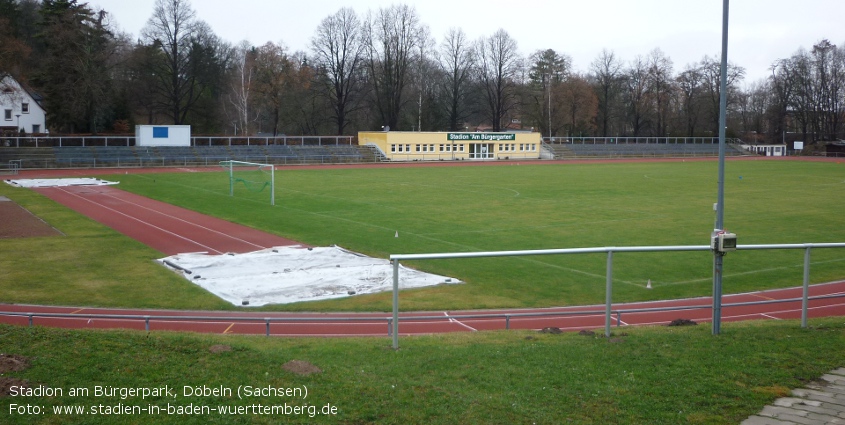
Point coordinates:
[(254, 176)]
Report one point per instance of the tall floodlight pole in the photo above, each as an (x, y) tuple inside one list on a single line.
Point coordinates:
[(550, 108), (718, 255)]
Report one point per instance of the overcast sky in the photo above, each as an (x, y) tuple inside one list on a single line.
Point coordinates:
[(760, 31)]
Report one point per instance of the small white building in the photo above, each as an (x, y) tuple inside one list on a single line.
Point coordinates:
[(21, 109), (163, 135), (767, 150)]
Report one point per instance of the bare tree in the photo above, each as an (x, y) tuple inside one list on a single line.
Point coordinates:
[(457, 61), (607, 77), (498, 68), (171, 29), (274, 76), (661, 90), (579, 105), (338, 46), (690, 98), (392, 37), (636, 95), (711, 77), (240, 87)]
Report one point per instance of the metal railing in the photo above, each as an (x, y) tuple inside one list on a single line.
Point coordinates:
[(609, 271), (268, 321), (106, 141), (624, 140), (393, 321)]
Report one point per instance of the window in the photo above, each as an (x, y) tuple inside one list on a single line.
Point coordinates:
[(400, 148), (160, 133), (407, 148), (8, 114), (36, 128), (393, 148), (417, 147), (431, 147), (25, 108)]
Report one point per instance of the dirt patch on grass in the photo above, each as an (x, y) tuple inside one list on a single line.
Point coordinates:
[(11, 363), (18, 222), (301, 367), (219, 348)]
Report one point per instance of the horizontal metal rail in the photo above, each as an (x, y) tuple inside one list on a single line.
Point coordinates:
[(395, 258), (507, 317), (268, 320)]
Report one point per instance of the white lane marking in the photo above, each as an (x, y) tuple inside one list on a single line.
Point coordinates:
[(184, 221), (453, 320), (141, 221)]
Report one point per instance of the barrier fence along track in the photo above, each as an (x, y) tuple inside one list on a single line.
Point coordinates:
[(393, 322), (609, 273), (267, 321)]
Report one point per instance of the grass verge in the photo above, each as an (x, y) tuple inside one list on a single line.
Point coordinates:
[(654, 375)]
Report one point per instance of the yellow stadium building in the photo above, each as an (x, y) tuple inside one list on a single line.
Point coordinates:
[(441, 146)]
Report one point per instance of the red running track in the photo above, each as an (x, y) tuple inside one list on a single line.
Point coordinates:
[(417, 323), (165, 227), (174, 230)]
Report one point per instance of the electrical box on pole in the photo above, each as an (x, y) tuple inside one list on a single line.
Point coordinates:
[(722, 241)]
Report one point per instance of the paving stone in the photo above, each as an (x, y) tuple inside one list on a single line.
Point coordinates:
[(820, 403), (762, 420)]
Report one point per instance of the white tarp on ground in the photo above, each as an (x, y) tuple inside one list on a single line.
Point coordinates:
[(291, 274), (59, 182)]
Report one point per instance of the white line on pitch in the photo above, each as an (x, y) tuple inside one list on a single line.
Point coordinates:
[(770, 317), (459, 322)]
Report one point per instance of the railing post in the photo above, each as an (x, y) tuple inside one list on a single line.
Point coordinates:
[(147, 323), (806, 289), (30, 319), (507, 321), (395, 304), (608, 297), (267, 322)]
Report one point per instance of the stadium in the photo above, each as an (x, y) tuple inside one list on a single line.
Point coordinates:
[(374, 209)]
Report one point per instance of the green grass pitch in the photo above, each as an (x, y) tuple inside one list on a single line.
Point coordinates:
[(544, 206), (466, 208)]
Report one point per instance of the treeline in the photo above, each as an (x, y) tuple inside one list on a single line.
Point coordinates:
[(385, 69)]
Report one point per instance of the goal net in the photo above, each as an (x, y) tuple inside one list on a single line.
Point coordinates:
[(253, 176)]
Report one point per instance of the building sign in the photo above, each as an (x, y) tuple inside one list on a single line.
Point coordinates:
[(479, 137)]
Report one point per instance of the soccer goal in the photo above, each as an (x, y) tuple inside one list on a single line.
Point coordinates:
[(254, 176)]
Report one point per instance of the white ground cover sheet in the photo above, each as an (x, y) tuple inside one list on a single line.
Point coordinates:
[(86, 181), (291, 274)]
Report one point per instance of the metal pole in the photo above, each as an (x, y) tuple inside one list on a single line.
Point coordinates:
[(550, 108), (608, 291), (395, 304), (272, 185), (720, 207), (806, 292)]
